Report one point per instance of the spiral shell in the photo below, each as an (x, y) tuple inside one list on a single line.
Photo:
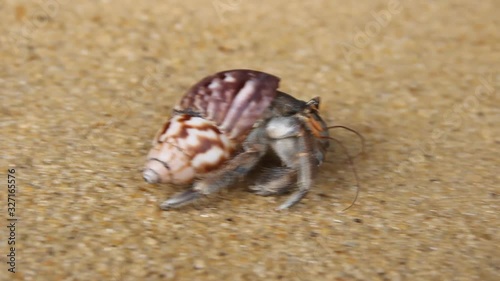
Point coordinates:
[(208, 125)]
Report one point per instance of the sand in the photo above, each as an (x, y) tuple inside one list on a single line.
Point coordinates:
[(86, 84)]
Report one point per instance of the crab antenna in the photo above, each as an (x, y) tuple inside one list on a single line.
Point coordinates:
[(351, 164), (353, 131)]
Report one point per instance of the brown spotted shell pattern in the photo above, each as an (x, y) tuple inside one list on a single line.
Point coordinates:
[(208, 125)]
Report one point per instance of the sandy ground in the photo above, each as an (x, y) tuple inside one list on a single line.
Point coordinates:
[(86, 84)]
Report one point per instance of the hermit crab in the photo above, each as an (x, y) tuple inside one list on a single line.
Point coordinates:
[(225, 125)]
